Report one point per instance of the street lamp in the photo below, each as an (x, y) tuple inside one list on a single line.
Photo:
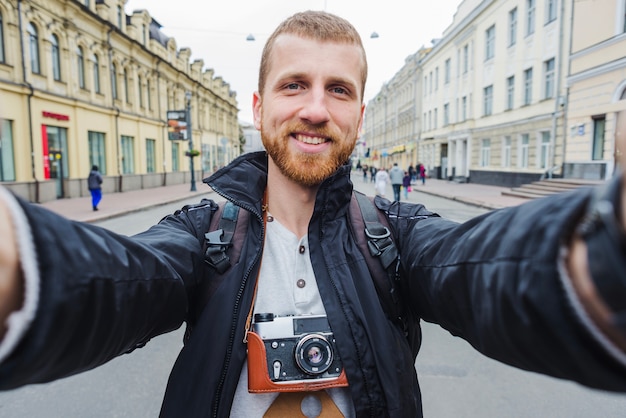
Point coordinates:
[(191, 154)]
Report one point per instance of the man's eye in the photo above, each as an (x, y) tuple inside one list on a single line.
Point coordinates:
[(292, 86), (339, 90)]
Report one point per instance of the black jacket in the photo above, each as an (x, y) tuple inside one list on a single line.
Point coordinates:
[(493, 281)]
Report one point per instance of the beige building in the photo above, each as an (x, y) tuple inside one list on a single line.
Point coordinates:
[(391, 125), (493, 93), (82, 84), (597, 87)]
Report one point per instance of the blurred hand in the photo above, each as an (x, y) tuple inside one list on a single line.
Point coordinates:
[(11, 285)]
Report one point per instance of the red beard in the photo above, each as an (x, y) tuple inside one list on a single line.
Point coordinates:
[(303, 168)]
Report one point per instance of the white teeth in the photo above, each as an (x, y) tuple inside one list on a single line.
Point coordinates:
[(313, 140)]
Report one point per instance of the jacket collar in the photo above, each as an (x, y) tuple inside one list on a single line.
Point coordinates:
[(244, 180)]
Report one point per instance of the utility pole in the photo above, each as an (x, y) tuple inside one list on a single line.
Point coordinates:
[(191, 156)]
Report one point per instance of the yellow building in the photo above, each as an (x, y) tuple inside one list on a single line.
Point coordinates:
[(597, 87), (82, 84)]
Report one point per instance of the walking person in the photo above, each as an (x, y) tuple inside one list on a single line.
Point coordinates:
[(422, 171), (94, 183), (539, 286), (382, 179), (395, 176), (406, 184)]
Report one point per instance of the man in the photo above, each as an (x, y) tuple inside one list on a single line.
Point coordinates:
[(395, 175), (94, 183), (514, 283)]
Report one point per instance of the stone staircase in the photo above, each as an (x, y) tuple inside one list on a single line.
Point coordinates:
[(547, 187)]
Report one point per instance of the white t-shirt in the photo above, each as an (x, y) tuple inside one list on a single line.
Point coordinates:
[(287, 286)]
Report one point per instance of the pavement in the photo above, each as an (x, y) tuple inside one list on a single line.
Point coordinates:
[(119, 204)]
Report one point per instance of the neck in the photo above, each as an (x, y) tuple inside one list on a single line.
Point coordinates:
[(289, 202)]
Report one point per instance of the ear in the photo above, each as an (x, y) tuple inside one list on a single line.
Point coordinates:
[(361, 117), (256, 109)]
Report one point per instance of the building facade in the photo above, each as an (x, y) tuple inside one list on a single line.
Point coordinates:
[(82, 83), (493, 93), (597, 87)]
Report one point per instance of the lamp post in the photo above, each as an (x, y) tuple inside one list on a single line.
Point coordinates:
[(193, 175)]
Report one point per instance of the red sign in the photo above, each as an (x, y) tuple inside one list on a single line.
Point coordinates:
[(56, 116)]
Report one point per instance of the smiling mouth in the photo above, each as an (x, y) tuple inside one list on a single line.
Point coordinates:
[(308, 139)]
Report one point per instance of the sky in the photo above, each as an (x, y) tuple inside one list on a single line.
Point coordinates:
[(216, 32)]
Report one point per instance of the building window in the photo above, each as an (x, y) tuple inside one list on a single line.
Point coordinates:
[(2, 57), (126, 91), (150, 155), (490, 42), (148, 91), (143, 33), (96, 74), (436, 78), (175, 156), (465, 59), (510, 92), (425, 84), (485, 152), (114, 81), (7, 162), (523, 151), (446, 114), (548, 71), (528, 86), (80, 63), (530, 17), (119, 17), (56, 57), (87, 3), (97, 152), (464, 108), (435, 118), (447, 71), (506, 152), (33, 48), (140, 91), (128, 154), (488, 100), (513, 27), (598, 138), (545, 150), (551, 10)]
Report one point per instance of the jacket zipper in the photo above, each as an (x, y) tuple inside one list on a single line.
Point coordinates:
[(233, 326)]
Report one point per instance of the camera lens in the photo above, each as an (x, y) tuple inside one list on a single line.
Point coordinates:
[(314, 354)]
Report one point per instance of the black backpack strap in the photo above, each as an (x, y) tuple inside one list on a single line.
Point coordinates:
[(379, 242), (219, 240)]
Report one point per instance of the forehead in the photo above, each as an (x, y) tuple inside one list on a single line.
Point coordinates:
[(292, 52)]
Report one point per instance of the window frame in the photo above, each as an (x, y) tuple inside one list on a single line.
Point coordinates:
[(33, 48), (488, 100), (513, 26), (490, 42), (549, 73), (528, 86), (55, 56)]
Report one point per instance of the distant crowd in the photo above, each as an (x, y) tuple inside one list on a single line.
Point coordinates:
[(400, 180)]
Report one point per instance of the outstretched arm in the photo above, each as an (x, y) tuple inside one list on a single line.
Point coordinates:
[(593, 300), (11, 283)]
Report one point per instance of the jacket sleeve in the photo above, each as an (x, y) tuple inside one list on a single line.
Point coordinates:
[(101, 294), (499, 282)]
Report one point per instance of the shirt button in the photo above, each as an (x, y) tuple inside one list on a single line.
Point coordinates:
[(301, 283), (301, 249), (270, 218)]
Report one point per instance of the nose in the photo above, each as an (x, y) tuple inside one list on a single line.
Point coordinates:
[(314, 109)]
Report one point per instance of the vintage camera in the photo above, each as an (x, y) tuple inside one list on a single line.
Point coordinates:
[(293, 351)]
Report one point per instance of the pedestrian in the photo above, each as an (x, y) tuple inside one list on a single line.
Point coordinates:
[(365, 171), (382, 179), (412, 173), (406, 184), (94, 183), (373, 171), (422, 171), (395, 176), (515, 283)]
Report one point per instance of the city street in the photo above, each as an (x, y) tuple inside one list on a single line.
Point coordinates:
[(456, 381)]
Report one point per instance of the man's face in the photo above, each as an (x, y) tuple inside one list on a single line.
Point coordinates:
[(311, 110)]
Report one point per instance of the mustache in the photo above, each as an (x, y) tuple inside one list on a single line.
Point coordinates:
[(322, 130)]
